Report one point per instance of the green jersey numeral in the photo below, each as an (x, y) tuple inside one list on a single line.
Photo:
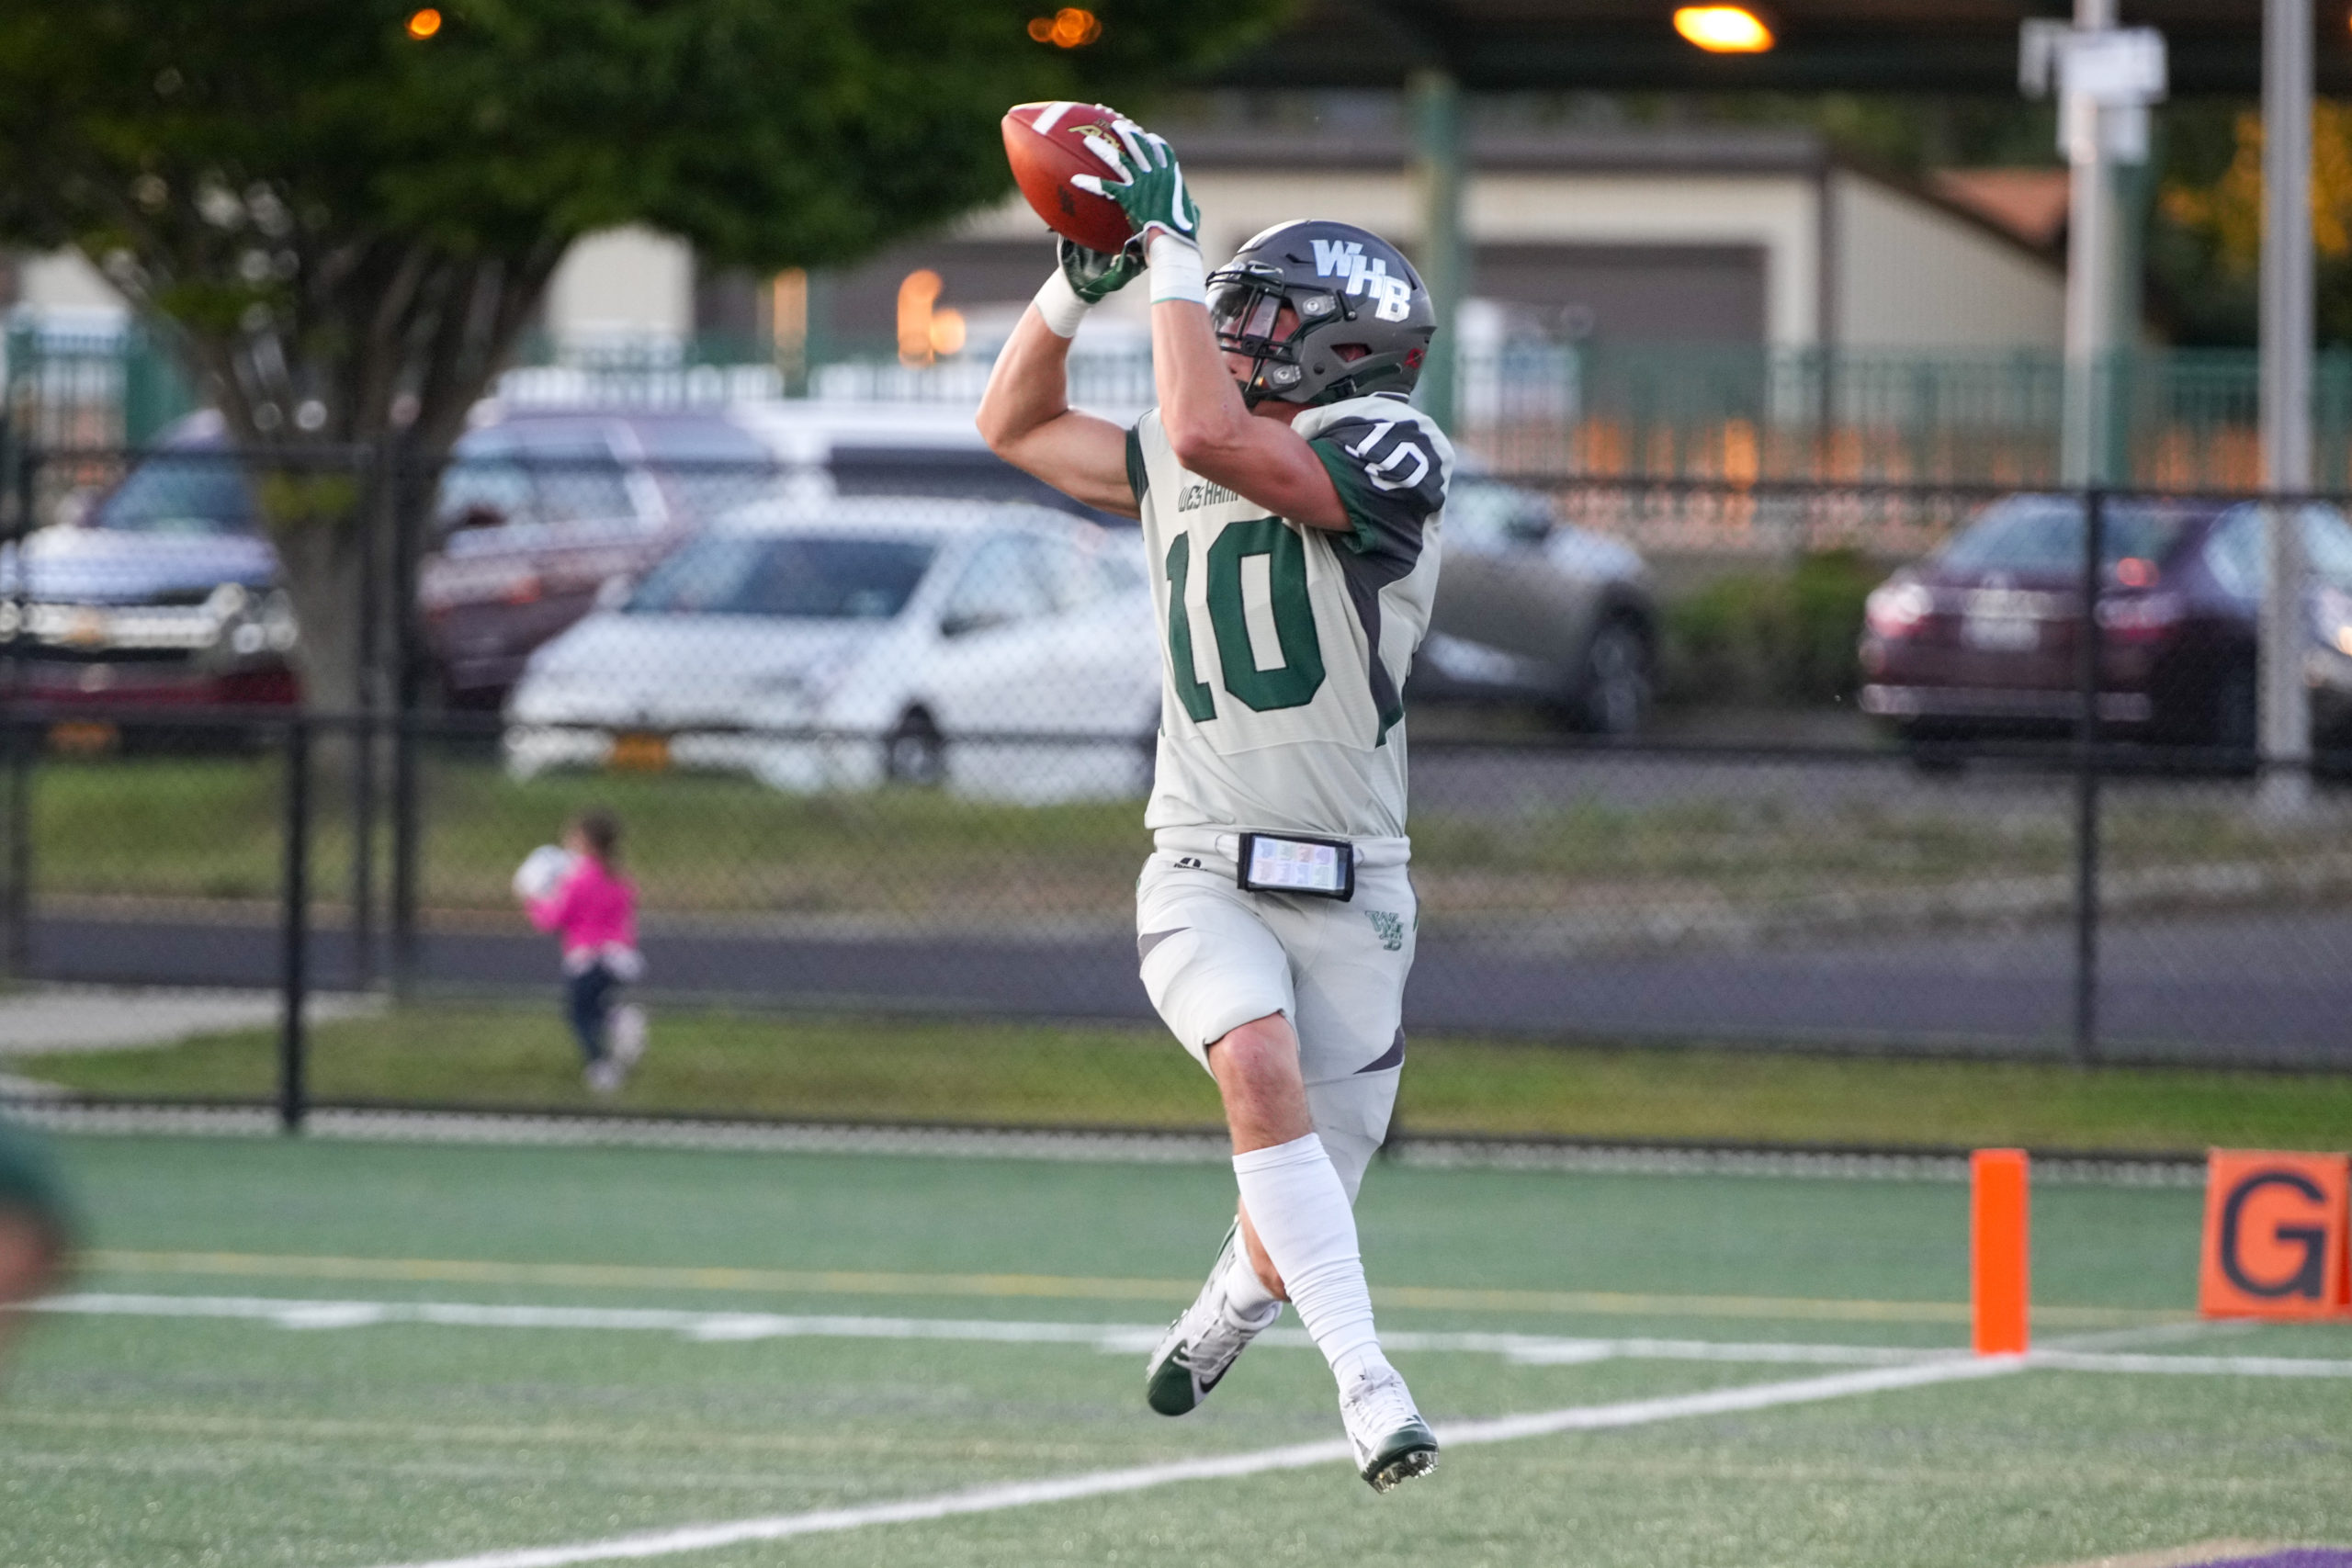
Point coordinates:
[(1294, 683), (1191, 690)]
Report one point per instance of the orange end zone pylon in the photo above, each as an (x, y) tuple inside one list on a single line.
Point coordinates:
[(1999, 1252)]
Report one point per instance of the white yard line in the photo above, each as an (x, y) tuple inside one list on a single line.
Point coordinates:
[(1526, 1349), (1298, 1456)]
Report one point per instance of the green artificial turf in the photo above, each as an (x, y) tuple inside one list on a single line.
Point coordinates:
[(794, 1067), (141, 1440)]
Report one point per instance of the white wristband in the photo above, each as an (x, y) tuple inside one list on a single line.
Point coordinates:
[(1177, 271), (1059, 304)]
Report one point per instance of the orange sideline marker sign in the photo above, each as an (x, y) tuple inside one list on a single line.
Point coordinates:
[(2275, 1235)]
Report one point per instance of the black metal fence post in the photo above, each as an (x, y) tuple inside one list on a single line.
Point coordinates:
[(362, 745), (2088, 640), (292, 1093), (19, 739), (400, 481)]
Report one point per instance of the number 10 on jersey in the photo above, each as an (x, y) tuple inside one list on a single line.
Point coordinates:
[(1265, 548)]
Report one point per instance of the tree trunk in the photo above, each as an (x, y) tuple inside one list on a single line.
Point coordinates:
[(315, 519)]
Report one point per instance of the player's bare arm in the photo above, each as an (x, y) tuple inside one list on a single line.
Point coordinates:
[(1026, 415), (1253, 452)]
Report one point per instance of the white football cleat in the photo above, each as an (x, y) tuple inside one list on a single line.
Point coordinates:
[(1203, 1342), (1392, 1442)]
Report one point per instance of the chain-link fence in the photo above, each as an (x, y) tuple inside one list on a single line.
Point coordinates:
[(876, 725)]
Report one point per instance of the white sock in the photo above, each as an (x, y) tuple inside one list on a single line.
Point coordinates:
[(1300, 1211), (1244, 1291)]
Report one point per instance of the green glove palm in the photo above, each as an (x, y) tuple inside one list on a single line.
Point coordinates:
[(1094, 276), (1152, 191)]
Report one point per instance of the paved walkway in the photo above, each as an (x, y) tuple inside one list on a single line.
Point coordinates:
[(117, 1017), (2244, 985)]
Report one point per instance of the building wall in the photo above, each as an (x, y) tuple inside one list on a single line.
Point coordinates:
[(623, 283), (1773, 214), (63, 281), (1910, 275), (1621, 246)]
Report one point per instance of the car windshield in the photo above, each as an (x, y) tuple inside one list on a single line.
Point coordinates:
[(196, 493), (800, 576), (2040, 534)]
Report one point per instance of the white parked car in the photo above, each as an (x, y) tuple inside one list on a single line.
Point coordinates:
[(844, 643)]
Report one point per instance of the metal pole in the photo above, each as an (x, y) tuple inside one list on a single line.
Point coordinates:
[(2091, 235), (2087, 640), (2286, 331), (294, 959), (21, 738), (405, 666), (1444, 262), (362, 746)]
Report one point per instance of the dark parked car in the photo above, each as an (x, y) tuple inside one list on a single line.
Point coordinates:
[(161, 595), (1532, 609), (163, 592), (1980, 639)]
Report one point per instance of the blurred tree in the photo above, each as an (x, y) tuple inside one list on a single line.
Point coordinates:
[(344, 215), (2206, 248)]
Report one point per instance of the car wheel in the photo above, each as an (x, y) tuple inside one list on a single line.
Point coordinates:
[(915, 753), (1616, 698)]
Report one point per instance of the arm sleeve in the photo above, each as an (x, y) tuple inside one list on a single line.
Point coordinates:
[(1389, 480)]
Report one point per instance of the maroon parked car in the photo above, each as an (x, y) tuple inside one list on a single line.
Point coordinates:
[(1980, 639), (540, 513)]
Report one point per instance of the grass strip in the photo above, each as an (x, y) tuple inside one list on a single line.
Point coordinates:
[(763, 1065), (1757, 842)]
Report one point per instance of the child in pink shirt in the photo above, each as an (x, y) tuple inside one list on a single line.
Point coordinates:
[(595, 910)]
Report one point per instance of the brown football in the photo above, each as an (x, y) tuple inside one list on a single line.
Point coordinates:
[(1047, 143)]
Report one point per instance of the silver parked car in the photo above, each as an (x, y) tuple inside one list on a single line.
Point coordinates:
[(1002, 650), (1532, 609)]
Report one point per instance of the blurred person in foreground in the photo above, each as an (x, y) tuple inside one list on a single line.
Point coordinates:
[(1290, 498), (579, 893), (36, 1232)]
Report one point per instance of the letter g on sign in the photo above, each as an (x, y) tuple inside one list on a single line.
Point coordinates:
[(2275, 1235)]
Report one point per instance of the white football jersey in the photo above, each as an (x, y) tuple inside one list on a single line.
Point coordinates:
[(1284, 649)]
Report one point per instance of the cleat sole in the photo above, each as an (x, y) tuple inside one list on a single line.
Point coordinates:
[(1397, 1469)]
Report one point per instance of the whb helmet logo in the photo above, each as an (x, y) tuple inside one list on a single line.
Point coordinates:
[(1392, 297)]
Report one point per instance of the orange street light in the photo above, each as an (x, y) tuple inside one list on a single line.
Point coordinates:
[(1068, 27), (1724, 29), (424, 23)]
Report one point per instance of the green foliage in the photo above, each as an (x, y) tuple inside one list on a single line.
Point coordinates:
[(1770, 637), (769, 132)]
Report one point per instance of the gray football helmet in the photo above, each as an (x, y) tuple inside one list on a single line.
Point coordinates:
[(1363, 320)]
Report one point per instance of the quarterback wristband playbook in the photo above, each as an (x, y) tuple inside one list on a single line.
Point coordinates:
[(1060, 306), (1277, 863)]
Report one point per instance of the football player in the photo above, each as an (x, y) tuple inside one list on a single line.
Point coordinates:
[(1290, 499)]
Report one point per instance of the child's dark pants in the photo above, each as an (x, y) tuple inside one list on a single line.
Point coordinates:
[(588, 1003)]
